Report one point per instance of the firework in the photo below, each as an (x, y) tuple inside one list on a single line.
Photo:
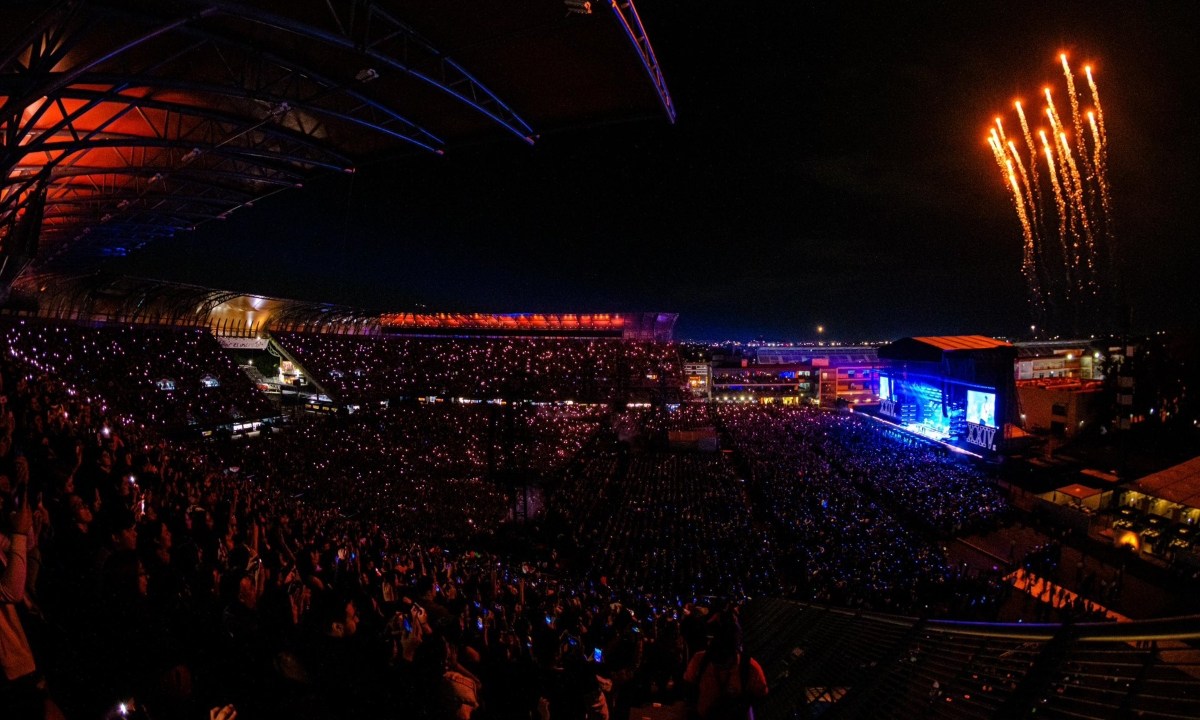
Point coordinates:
[(1101, 144), (1034, 187), (1068, 265), (1062, 216), (1076, 118), (1028, 262), (1096, 101)]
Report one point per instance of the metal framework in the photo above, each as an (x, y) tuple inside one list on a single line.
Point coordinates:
[(627, 16), (128, 121), (103, 298)]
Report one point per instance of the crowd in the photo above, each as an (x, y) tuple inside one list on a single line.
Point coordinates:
[(801, 514), (361, 566), (670, 525), (923, 481), (169, 377), (275, 576), (861, 512), (366, 368), (423, 470)]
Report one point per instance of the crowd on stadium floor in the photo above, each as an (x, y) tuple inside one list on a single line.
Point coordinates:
[(861, 510)]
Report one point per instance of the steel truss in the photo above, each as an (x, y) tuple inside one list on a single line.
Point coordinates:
[(120, 115), (627, 16), (127, 121)]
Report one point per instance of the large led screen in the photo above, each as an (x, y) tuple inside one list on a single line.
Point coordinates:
[(981, 408)]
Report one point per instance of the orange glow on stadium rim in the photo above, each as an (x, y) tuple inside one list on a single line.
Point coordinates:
[(513, 320)]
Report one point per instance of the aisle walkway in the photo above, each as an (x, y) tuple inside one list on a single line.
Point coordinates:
[(1059, 597)]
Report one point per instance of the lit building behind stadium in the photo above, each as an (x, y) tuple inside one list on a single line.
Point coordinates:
[(789, 374), (1059, 384)]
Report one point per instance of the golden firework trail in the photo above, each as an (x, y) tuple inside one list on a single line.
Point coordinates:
[(994, 142), (1076, 118), (1006, 166), (1067, 180), (1000, 128), (1025, 127), (1073, 269), (1095, 136), (1052, 113), (1058, 196), (1101, 153), (1096, 102), (1099, 163), (1088, 251), (1016, 191), (1012, 149), (1035, 200), (1030, 200), (1060, 201), (1028, 261)]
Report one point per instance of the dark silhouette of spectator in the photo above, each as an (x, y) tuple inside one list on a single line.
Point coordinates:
[(727, 682)]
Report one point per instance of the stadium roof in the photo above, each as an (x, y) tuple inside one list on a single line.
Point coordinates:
[(835, 355), (129, 121), (940, 347), (1179, 484)]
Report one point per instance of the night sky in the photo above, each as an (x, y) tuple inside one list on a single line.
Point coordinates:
[(828, 167)]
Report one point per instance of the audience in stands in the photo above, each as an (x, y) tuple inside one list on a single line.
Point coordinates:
[(358, 368), (167, 377), (361, 566)]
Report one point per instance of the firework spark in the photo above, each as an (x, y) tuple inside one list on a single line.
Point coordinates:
[(1102, 157), (1028, 260), (1061, 203), (1096, 101), (1076, 118), (1068, 265), (1034, 187)]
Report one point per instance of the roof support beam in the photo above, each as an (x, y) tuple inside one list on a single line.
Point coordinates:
[(189, 173), (69, 147), (49, 86), (627, 16), (264, 127), (415, 54)]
